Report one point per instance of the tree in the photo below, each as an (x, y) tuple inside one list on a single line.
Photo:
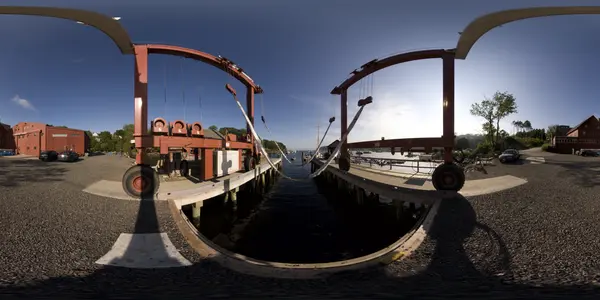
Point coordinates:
[(518, 125), (505, 104), (105, 139), (213, 127), (527, 125), (493, 111), (551, 131), (118, 137), (503, 134), (126, 137), (462, 143), (485, 110)]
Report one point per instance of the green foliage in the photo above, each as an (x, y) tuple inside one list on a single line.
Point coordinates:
[(551, 131), (529, 142), (484, 148), (231, 130), (545, 147), (272, 145), (120, 140), (462, 143), (493, 110)]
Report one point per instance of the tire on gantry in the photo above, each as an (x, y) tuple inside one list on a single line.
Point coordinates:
[(140, 181), (344, 162), (448, 177), (249, 163)]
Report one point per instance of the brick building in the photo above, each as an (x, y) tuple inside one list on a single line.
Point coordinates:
[(32, 138), (7, 141), (586, 135)]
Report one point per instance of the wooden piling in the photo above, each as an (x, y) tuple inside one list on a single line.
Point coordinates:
[(233, 200), (359, 195), (196, 209)]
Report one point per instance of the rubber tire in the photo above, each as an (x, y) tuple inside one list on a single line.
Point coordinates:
[(184, 168), (344, 163), (249, 164), (146, 172), (443, 170)]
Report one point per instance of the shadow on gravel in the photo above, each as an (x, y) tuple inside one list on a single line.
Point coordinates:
[(19, 172), (582, 173), (449, 274)]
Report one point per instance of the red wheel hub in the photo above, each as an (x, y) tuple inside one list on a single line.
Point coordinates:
[(139, 183), (449, 179)]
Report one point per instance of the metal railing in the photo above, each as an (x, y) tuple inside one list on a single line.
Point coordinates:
[(415, 164)]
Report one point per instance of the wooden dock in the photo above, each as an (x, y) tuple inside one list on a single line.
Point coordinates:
[(415, 189), (186, 192)]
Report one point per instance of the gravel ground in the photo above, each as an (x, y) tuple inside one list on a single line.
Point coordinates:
[(537, 241)]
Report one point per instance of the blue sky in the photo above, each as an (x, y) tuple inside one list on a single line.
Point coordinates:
[(298, 51)]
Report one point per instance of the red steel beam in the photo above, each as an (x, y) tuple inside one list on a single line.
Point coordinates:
[(448, 136), (217, 62), (140, 109), (143, 139), (166, 142), (376, 65)]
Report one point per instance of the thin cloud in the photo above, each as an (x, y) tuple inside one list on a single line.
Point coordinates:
[(22, 102)]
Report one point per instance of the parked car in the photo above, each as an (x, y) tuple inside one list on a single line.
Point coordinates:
[(5, 152), (50, 155), (509, 155), (68, 156), (592, 153)]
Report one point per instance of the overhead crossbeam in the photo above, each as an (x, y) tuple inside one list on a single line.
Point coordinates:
[(379, 64), (218, 62), (482, 25), (109, 26)]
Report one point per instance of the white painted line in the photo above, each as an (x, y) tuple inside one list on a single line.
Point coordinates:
[(536, 159), (490, 185), (144, 251)]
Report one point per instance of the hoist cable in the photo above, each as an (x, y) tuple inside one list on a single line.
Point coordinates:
[(258, 143)]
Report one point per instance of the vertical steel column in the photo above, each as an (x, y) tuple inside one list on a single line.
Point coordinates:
[(448, 105), (344, 120), (140, 110)]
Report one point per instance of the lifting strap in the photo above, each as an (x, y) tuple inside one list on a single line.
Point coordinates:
[(362, 103), (262, 117), (331, 120)]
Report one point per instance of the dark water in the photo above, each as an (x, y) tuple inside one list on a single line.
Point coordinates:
[(307, 221)]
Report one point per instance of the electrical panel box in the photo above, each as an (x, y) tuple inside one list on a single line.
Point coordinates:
[(226, 162)]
